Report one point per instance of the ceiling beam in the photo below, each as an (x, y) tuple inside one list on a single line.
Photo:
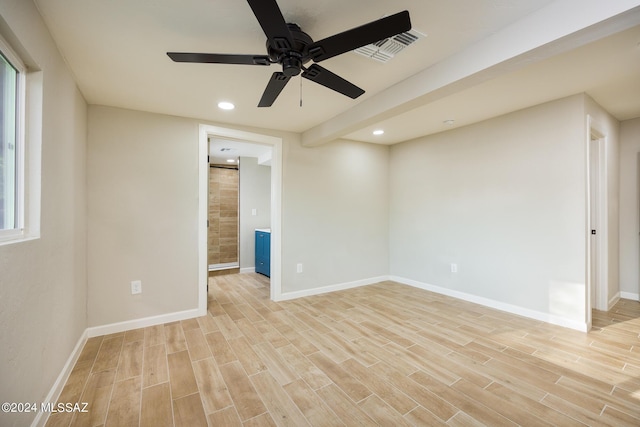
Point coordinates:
[(559, 27)]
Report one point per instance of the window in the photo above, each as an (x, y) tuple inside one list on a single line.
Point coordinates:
[(12, 89)]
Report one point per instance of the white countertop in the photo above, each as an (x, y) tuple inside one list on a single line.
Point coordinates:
[(264, 230)]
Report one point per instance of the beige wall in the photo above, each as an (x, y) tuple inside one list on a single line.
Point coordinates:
[(255, 193), (142, 173), (629, 214), (335, 214), (503, 199), (43, 282), (142, 213)]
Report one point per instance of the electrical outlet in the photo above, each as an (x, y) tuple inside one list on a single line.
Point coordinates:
[(299, 268), (254, 212), (454, 268), (136, 287)]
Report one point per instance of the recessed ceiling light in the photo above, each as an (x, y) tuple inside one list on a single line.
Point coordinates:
[(449, 122), (226, 105), (378, 132), (231, 160)]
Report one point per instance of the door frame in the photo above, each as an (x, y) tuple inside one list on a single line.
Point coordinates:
[(206, 131), (596, 134)]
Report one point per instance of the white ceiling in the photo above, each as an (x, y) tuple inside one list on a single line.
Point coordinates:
[(481, 58), (221, 150)]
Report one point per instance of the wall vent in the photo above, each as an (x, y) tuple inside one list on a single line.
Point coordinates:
[(385, 50)]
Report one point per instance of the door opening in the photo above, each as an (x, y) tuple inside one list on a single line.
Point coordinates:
[(206, 132), (597, 248), (594, 237)]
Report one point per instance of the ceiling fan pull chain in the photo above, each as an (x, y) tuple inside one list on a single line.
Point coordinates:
[(300, 91)]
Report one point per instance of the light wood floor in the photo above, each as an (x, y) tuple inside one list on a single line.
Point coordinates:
[(385, 355)]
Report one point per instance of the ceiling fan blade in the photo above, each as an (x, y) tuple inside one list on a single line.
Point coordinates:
[(219, 58), (272, 22), (360, 36), (326, 78), (277, 82)]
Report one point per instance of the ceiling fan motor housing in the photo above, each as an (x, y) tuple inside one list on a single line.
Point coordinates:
[(293, 57)]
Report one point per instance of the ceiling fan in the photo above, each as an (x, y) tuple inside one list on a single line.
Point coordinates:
[(292, 48)]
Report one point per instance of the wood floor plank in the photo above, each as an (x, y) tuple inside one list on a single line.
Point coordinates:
[(90, 350), (249, 313), (174, 337), (220, 348), (534, 407), (188, 412), (130, 363), (213, 390), (381, 412), (576, 412), (232, 311), (227, 327), (303, 367), (615, 417), (154, 335), (207, 324), (263, 420), (97, 394), (227, 417), (518, 414), (109, 354), (249, 331), (189, 324), (124, 408), (348, 412), (280, 406), (422, 417), (154, 365), (244, 396), (311, 405), (156, 407), (351, 386), (333, 351), (197, 344), (275, 363), (251, 362), (423, 396), (271, 334), (388, 393), (134, 335), (181, 377), (461, 401)]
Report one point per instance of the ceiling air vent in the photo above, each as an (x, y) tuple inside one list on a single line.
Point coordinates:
[(386, 49)]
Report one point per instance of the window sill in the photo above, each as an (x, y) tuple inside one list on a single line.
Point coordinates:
[(17, 238)]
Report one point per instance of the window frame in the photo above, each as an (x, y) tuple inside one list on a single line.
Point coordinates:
[(18, 232)]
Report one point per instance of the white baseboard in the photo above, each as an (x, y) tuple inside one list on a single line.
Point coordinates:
[(41, 418), (509, 308), (332, 288), (613, 301), (630, 295), (142, 323), (224, 266), (247, 270)]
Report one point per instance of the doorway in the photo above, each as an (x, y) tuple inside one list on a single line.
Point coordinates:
[(205, 133), (597, 220)]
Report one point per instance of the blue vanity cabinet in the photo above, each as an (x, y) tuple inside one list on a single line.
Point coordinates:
[(263, 252)]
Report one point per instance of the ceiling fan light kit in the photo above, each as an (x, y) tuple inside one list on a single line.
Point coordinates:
[(292, 48)]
